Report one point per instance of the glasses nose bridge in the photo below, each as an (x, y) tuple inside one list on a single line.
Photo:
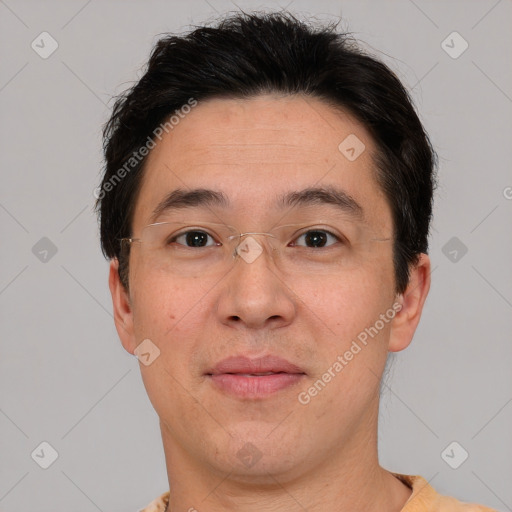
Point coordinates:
[(249, 246)]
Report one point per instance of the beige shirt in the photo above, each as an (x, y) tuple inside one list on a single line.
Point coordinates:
[(423, 499)]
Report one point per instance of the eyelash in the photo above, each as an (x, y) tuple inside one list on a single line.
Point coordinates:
[(318, 230)]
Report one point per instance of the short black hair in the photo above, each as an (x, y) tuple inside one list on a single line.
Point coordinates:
[(247, 54)]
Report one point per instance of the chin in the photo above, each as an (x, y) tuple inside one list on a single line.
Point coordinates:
[(254, 455)]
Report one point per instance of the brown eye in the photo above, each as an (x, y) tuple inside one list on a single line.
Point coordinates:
[(193, 238), (317, 238)]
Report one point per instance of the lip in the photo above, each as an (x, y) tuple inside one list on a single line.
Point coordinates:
[(264, 364), (241, 376)]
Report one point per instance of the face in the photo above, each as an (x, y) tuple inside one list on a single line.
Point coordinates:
[(302, 324)]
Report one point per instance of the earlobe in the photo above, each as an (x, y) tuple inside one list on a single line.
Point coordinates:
[(406, 320), (123, 315)]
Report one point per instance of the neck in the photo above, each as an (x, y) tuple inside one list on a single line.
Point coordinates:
[(350, 480)]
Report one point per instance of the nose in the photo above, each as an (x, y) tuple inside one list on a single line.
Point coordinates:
[(253, 293)]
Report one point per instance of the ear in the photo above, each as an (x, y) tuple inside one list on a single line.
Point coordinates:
[(407, 318), (123, 315)]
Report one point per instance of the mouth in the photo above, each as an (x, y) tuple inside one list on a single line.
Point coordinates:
[(260, 377)]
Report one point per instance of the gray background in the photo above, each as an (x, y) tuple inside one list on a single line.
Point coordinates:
[(64, 377)]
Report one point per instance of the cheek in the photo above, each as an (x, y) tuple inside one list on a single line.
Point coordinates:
[(351, 343), (166, 306), (349, 303), (172, 314)]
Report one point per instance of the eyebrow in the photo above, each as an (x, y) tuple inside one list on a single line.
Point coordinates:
[(180, 199)]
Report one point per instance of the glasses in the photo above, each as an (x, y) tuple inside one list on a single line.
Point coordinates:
[(206, 249)]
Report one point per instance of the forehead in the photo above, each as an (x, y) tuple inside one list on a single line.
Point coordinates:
[(256, 150)]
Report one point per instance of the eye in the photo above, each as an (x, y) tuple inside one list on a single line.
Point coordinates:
[(317, 238), (194, 238)]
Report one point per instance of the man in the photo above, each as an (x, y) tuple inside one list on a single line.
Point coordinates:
[(266, 206)]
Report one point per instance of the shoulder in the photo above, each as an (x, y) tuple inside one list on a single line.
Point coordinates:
[(157, 505), (425, 498)]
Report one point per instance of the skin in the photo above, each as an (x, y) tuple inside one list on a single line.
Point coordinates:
[(320, 456)]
